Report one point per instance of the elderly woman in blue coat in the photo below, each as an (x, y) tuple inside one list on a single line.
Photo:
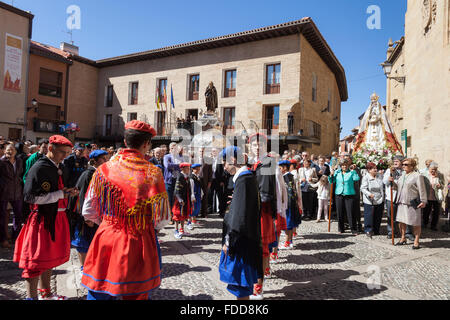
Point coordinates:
[(344, 179)]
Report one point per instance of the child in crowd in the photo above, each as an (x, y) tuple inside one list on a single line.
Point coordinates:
[(182, 207), (323, 196), (196, 196), (293, 218)]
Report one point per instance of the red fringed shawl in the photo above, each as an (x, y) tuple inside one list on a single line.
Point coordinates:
[(130, 192)]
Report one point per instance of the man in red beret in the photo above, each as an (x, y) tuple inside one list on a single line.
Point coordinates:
[(44, 242), (128, 200)]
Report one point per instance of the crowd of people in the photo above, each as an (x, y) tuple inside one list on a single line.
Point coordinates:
[(110, 204)]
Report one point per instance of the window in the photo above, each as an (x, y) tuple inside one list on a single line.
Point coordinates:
[(194, 84), (272, 118), (291, 123), (230, 84), (108, 124), (50, 83), (314, 88), (132, 116), (273, 78), (133, 93), (228, 118), (48, 112), (160, 122), (161, 89), (109, 96)]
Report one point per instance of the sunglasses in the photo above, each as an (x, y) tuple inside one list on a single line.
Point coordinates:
[(405, 164)]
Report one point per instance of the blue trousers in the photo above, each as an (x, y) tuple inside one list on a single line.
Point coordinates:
[(372, 217)]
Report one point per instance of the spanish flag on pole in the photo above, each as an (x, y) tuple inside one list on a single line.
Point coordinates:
[(165, 97), (157, 98)]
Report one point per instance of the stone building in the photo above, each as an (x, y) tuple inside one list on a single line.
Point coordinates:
[(15, 34), (63, 86), (418, 86), (282, 77)]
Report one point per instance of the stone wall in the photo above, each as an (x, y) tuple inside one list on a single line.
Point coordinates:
[(250, 60), (12, 104), (82, 100), (426, 101)]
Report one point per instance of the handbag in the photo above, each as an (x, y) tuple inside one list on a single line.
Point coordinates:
[(440, 195), (415, 203)]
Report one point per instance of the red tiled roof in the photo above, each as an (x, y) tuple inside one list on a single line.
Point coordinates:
[(49, 51)]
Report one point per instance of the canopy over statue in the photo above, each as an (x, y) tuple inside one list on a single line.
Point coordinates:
[(376, 131)]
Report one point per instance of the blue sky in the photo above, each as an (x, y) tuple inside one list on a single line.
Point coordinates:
[(111, 28)]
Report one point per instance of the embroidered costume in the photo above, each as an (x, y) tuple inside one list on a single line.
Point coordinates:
[(241, 267), (266, 180), (182, 207), (44, 241), (127, 194)]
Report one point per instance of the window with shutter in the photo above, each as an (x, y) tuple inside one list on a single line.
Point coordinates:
[(194, 84), (230, 84), (50, 83), (273, 78)]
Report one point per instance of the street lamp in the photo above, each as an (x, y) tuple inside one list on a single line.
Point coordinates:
[(34, 104), (387, 69)]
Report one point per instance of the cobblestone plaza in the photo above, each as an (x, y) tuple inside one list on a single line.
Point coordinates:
[(322, 266)]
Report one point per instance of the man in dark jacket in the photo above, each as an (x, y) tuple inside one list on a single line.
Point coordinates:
[(158, 159), (74, 165), (205, 179), (217, 190), (11, 191)]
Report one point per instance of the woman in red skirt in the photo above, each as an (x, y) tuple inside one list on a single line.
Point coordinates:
[(44, 242)]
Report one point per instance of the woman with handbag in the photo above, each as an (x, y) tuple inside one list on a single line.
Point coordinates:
[(411, 198), (434, 183), (372, 188)]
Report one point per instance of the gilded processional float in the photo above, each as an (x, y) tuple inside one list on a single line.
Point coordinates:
[(376, 141)]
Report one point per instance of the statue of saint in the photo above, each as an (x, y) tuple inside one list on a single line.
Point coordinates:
[(211, 98), (375, 130), (375, 134)]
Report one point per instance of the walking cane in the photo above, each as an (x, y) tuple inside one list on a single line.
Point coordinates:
[(392, 214), (329, 209)]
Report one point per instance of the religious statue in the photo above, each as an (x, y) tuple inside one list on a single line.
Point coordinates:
[(211, 98), (375, 131)]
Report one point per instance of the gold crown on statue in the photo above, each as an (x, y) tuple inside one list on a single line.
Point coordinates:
[(374, 97)]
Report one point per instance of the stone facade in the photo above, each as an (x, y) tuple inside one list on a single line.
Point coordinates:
[(423, 102), (12, 104), (299, 62)]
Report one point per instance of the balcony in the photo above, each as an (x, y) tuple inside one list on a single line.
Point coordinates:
[(302, 130), (50, 126)]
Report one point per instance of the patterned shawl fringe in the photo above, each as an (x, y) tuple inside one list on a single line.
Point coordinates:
[(111, 206)]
